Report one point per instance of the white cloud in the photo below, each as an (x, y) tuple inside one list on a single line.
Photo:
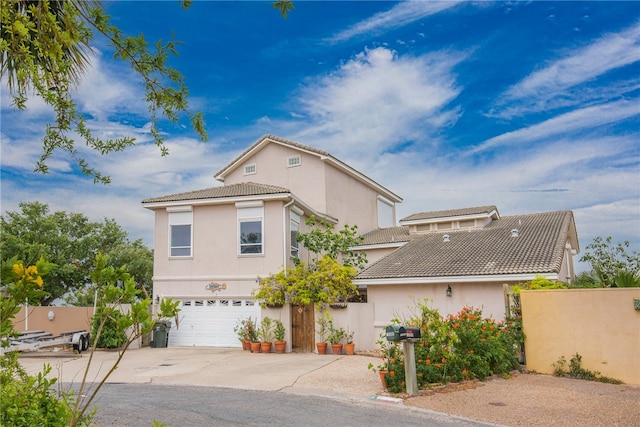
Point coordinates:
[(377, 100), (108, 88), (537, 90), (573, 121), (398, 16)]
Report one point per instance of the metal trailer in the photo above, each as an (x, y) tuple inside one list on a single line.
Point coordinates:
[(34, 340)]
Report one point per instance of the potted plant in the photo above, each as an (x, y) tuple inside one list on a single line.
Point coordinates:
[(265, 333), (349, 347), (335, 336), (279, 333), (323, 329), (245, 329)]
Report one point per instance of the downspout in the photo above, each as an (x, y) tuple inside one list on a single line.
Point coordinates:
[(567, 254), (284, 235)]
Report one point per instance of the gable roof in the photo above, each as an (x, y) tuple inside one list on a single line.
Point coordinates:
[(453, 213), (233, 193), (539, 248), (381, 236), (235, 190), (323, 155)]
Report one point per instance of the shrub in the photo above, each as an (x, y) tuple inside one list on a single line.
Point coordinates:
[(30, 400), (111, 336), (460, 347), (575, 370)]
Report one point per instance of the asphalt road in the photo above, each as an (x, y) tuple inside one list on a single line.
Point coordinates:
[(140, 404)]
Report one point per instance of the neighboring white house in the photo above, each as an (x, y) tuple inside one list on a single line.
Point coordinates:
[(212, 245)]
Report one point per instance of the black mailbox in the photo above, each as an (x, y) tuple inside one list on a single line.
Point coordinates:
[(411, 332), (395, 333)]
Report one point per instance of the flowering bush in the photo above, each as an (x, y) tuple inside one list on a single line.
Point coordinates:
[(324, 282), (460, 347)]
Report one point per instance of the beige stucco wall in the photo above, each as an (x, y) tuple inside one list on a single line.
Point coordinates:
[(358, 318), (351, 201), (397, 301), (66, 319), (307, 181), (599, 324), (215, 243)]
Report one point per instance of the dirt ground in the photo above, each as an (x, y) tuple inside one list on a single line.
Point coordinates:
[(538, 400)]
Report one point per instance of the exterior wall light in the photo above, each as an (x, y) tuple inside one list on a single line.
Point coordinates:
[(51, 315), (449, 291)]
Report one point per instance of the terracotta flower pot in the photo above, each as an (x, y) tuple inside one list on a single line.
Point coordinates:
[(322, 347), (255, 347), (336, 348), (349, 349), (281, 346), (265, 347), (246, 345), (382, 373)]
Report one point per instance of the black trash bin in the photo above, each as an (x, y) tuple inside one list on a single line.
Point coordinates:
[(161, 334)]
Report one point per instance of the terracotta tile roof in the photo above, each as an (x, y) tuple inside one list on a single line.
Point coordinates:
[(234, 190), (492, 250), (451, 213), (386, 235)]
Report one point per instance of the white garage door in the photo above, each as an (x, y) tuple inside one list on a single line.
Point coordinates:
[(210, 322)]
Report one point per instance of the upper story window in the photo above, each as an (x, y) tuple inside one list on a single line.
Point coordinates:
[(293, 161), (180, 231), (250, 228), (250, 169), (294, 228), (386, 213)]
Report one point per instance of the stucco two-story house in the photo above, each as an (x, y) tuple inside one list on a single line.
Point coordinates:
[(211, 245)]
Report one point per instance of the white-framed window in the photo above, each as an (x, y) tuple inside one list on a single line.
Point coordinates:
[(180, 231), (250, 228), (293, 161), (294, 228), (386, 213), (250, 169)]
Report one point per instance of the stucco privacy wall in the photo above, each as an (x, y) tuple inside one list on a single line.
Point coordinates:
[(356, 317), (65, 319), (599, 324)]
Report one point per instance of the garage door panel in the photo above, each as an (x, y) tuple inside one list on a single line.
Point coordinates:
[(210, 322)]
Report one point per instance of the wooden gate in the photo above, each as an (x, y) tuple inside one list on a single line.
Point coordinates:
[(302, 328)]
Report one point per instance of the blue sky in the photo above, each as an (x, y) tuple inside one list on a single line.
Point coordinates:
[(531, 106)]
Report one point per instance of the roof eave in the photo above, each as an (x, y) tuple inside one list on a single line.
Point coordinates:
[(216, 200), (234, 199), (391, 245), (492, 214), (514, 277)]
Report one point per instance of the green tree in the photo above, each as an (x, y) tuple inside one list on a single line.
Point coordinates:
[(612, 263), (45, 47), (323, 279), (323, 240), (70, 241)]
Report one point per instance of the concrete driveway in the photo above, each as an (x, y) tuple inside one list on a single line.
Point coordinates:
[(219, 367)]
